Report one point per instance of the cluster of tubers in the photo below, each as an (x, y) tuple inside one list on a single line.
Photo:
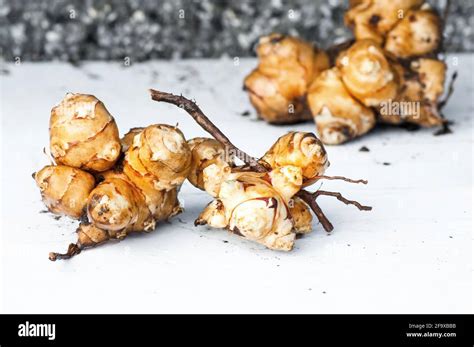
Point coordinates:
[(390, 73), (116, 186)]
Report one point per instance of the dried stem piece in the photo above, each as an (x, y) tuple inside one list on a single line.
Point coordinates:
[(339, 197), (194, 111), (309, 198), (342, 178), (72, 250)]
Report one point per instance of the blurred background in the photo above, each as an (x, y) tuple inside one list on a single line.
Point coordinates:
[(76, 30)]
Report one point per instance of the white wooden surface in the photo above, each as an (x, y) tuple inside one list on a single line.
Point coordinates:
[(411, 254)]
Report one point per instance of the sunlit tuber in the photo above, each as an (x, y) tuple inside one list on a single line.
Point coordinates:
[(262, 200), (252, 208), (140, 193), (64, 189), (159, 155), (298, 149), (131, 184), (367, 74), (210, 162), (83, 134)]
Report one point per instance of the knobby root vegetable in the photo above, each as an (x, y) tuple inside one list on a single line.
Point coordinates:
[(301, 150), (160, 156), (367, 74), (277, 87), (114, 186), (83, 134), (339, 117), (264, 200), (210, 162), (391, 72), (64, 189), (251, 207), (367, 84), (417, 34), (139, 193), (421, 84), (374, 19)]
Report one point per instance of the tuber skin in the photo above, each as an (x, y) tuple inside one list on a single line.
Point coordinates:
[(64, 189), (159, 155), (339, 117), (258, 206), (417, 34), (83, 134), (263, 200), (367, 74), (374, 19), (113, 186), (392, 60), (142, 191), (251, 207), (421, 82), (299, 149), (209, 164), (277, 87), (301, 214), (348, 99)]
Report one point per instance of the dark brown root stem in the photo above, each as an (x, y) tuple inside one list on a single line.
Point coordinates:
[(311, 201), (72, 250), (205, 123), (339, 197)]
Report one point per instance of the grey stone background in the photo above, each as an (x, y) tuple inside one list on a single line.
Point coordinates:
[(74, 30)]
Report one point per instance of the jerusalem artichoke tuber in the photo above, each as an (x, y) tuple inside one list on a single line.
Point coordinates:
[(277, 87), (138, 176), (64, 189), (83, 134), (134, 197), (377, 70), (263, 201)]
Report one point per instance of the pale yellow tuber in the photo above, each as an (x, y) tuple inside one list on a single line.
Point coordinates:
[(64, 189), (138, 193), (258, 199), (367, 74), (339, 117), (83, 134), (277, 87)]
